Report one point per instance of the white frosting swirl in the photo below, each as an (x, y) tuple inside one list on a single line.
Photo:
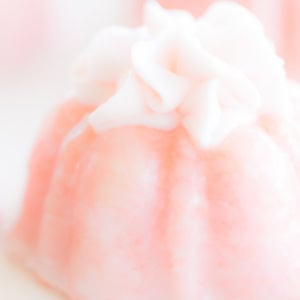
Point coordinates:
[(209, 75)]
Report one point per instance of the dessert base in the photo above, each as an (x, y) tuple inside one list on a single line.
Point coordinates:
[(17, 284)]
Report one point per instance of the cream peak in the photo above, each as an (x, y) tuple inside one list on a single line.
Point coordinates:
[(209, 75)]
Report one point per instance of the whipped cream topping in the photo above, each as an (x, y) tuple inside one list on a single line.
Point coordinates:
[(209, 75)]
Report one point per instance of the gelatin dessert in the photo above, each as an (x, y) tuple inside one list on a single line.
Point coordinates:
[(172, 172)]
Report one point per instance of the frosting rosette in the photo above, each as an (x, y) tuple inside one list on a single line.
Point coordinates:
[(209, 75)]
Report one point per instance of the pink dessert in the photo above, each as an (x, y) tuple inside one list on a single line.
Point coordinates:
[(173, 171)]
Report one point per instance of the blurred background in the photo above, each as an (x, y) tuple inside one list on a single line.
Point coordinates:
[(40, 39)]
